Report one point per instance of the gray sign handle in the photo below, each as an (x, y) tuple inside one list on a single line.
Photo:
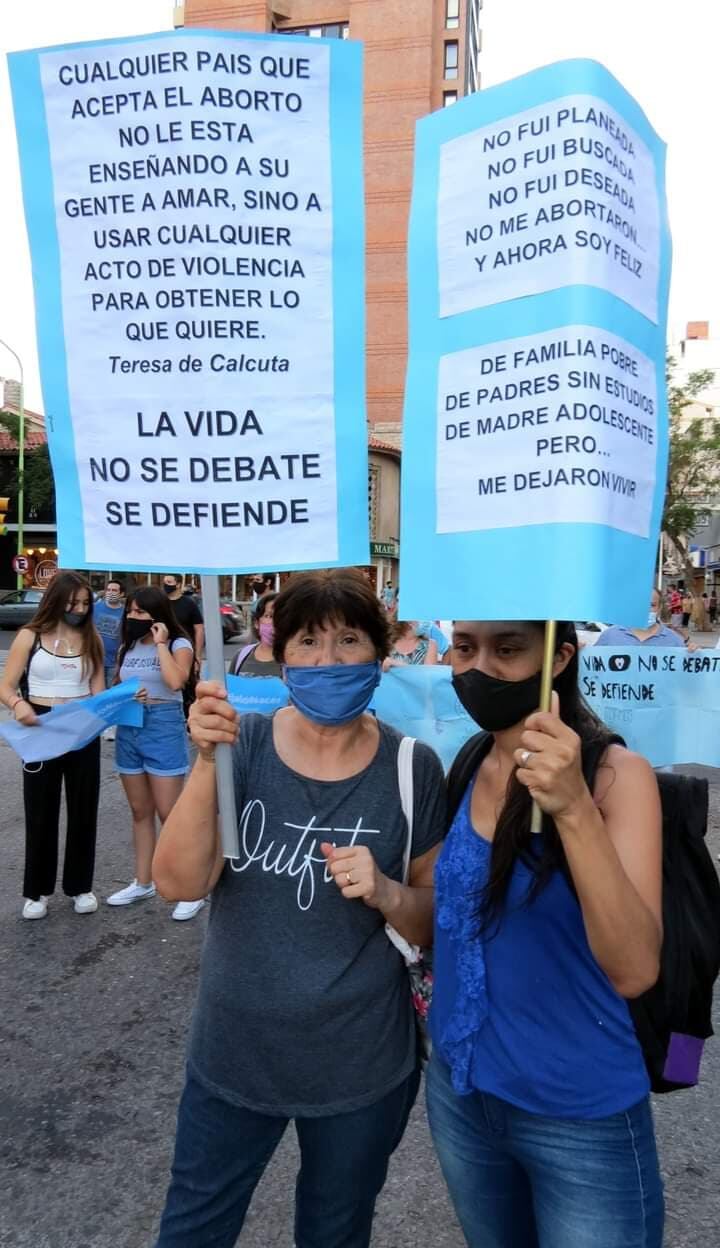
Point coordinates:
[(223, 753)]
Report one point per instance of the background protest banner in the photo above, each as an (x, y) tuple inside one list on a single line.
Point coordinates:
[(194, 206), (535, 429), (664, 702), (421, 702)]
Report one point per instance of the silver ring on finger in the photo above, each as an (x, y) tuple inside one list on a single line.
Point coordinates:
[(525, 757), (348, 877)]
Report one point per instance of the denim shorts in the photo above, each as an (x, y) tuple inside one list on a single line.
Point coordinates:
[(159, 748)]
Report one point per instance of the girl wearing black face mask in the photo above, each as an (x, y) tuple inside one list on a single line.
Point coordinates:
[(537, 1089), (153, 760), (58, 658)]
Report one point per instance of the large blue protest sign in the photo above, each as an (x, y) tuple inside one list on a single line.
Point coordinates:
[(663, 701), (535, 428), (194, 205)]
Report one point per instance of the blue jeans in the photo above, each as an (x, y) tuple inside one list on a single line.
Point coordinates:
[(519, 1180), (221, 1152)]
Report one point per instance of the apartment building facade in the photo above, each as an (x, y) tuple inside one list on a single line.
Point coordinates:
[(420, 55)]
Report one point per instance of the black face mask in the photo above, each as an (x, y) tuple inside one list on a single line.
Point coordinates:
[(137, 629), (169, 589), (74, 619), (497, 704)]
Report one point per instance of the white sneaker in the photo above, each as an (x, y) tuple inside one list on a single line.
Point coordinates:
[(187, 909), (109, 734), (35, 909), (133, 892), (85, 903)]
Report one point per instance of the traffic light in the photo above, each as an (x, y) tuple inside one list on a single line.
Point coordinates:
[(4, 505)]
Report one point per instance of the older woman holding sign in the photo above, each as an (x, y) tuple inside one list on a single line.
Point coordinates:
[(304, 1010), (537, 1088)]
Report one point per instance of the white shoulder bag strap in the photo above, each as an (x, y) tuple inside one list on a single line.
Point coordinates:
[(407, 797), (410, 952)]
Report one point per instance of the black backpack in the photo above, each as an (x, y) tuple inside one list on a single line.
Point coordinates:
[(674, 1018)]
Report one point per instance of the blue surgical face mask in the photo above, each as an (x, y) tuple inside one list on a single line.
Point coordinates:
[(334, 694), (652, 619)]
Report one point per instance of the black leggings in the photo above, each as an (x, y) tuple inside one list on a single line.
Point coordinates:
[(42, 788)]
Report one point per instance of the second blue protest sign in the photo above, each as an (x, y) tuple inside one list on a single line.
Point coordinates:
[(535, 427)]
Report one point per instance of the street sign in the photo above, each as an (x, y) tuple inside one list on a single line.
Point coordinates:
[(44, 572), (384, 550), (20, 563)]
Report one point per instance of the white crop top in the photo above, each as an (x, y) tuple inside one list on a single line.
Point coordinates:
[(52, 675)]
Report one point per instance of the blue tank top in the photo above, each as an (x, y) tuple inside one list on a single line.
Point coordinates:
[(525, 1012)]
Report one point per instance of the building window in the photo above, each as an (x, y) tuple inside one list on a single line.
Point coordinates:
[(333, 30), (451, 59), (452, 14), (373, 498), (449, 97)]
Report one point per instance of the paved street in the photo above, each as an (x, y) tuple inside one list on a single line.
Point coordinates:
[(92, 1032)]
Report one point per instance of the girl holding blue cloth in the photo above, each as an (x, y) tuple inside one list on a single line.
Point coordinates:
[(58, 658), (537, 1088)]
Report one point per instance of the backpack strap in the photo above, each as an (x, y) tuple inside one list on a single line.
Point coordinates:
[(24, 681), (241, 657), (463, 770), (407, 797), (474, 751), (592, 754)]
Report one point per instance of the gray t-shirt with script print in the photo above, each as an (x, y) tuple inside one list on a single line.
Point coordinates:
[(304, 1007)]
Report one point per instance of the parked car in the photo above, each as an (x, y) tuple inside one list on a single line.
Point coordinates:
[(18, 607), (588, 631), (233, 620)]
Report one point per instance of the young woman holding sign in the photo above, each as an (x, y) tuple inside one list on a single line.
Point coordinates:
[(304, 1009), (537, 1087), (153, 760), (57, 658)]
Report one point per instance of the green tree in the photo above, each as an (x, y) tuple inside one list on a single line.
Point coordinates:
[(693, 482), (39, 484)]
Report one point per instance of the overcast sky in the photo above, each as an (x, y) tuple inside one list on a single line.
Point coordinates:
[(664, 53)]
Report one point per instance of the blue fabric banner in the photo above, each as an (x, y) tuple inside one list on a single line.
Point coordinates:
[(535, 427), (259, 695), (665, 703), (194, 204), (421, 702), (73, 725)]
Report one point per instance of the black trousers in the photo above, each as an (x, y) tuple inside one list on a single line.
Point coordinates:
[(42, 789)]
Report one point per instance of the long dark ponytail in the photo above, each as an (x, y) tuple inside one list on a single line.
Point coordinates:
[(513, 839)]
